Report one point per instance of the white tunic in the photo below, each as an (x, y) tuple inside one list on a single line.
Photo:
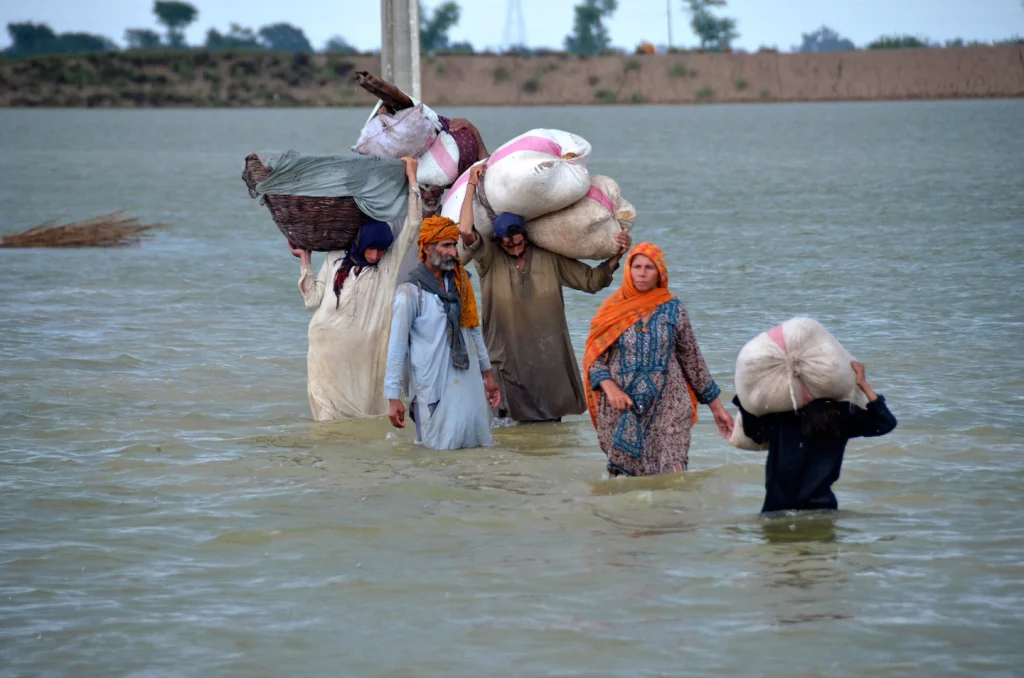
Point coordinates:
[(348, 335), (450, 409)]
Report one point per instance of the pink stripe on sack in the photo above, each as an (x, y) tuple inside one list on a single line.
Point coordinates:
[(775, 334), (600, 197), (444, 159), (539, 144)]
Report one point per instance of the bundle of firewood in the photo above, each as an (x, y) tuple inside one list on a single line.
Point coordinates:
[(116, 229)]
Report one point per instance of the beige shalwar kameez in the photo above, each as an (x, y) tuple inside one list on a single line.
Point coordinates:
[(524, 325), (348, 335)]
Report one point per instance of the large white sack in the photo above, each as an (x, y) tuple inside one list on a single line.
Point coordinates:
[(790, 365), (587, 228), (408, 132), (439, 164), (534, 174)]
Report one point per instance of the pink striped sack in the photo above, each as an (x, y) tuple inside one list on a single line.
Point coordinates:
[(790, 365), (587, 228), (439, 164), (539, 172)]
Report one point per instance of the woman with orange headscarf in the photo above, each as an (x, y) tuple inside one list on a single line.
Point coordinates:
[(645, 373)]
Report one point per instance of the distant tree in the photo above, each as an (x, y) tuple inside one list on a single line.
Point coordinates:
[(898, 42), (339, 45), (282, 37), (434, 27), (176, 16), (142, 38), (715, 33), (28, 39), (825, 40), (461, 48), (1012, 40), (237, 38), (589, 34)]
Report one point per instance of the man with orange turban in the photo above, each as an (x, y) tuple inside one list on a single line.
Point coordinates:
[(436, 352)]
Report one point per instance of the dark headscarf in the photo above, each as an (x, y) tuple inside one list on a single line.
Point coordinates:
[(373, 235), (507, 225)]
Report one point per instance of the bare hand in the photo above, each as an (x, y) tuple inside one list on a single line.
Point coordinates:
[(723, 419), (396, 413), (455, 124), (411, 165), (859, 372), (617, 398), (625, 241), (476, 173), (492, 389)]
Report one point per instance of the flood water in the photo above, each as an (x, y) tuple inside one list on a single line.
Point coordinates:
[(169, 508)]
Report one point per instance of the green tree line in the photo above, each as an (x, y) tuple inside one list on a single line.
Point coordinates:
[(589, 34)]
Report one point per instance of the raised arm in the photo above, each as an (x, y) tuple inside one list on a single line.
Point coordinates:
[(876, 420), (312, 288), (697, 374), (580, 276), (461, 123), (410, 232), (466, 228)]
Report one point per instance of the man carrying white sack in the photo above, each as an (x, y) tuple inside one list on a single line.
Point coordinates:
[(524, 313), (437, 349)]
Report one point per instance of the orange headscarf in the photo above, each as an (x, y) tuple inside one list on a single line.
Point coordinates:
[(623, 309), (434, 230)]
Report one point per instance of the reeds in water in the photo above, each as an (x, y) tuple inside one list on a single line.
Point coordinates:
[(116, 229)]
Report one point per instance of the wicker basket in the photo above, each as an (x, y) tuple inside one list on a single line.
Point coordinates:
[(319, 224)]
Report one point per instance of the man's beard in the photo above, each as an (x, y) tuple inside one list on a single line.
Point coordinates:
[(442, 262)]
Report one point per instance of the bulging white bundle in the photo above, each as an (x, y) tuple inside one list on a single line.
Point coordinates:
[(439, 164), (587, 228), (408, 132), (536, 173), (788, 366)]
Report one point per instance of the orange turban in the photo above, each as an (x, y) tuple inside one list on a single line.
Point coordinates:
[(623, 309), (434, 230)]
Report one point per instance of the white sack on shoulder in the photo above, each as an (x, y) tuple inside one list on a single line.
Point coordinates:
[(788, 366), (587, 228), (406, 133), (534, 174), (439, 164)]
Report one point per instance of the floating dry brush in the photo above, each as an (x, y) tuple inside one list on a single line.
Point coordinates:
[(116, 229)]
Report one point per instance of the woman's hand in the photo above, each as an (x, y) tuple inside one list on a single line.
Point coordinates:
[(723, 419), (411, 165), (304, 255), (617, 398), (862, 381), (476, 173)]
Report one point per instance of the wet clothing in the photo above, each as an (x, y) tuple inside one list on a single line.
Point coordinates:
[(799, 473), (448, 404), (527, 335), (652, 363), (349, 330)]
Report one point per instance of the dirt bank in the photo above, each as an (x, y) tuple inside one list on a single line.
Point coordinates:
[(265, 79)]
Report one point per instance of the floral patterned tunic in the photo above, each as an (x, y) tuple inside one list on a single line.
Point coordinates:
[(652, 363)]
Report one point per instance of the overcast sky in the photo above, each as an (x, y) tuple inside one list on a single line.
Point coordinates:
[(761, 22)]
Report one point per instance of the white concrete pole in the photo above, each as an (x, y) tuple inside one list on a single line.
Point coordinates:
[(400, 44)]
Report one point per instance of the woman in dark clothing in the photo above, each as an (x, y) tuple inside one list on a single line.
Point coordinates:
[(805, 452)]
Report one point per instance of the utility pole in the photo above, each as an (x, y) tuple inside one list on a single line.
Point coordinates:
[(668, 10), (400, 44)]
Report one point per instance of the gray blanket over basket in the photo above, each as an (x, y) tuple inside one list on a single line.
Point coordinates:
[(378, 185)]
